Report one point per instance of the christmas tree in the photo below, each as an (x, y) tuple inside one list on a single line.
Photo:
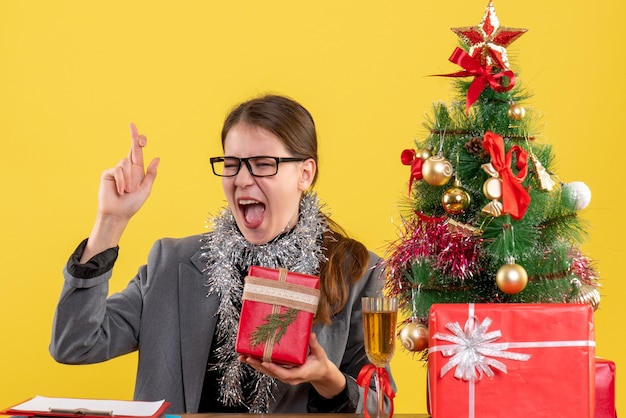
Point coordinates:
[(487, 219)]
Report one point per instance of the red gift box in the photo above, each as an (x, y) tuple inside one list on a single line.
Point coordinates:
[(605, 389), (511, 360), (277, 315)]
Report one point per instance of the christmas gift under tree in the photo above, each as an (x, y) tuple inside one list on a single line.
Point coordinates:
[(488, 221), (511, 360)]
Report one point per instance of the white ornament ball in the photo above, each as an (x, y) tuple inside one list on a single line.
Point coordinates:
[(580, 192)]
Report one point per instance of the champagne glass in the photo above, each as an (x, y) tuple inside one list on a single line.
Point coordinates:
[(379, 327)]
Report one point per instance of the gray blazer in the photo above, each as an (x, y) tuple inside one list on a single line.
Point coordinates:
[(165, 313)]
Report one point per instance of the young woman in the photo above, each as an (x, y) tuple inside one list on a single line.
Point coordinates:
[(181, 311)]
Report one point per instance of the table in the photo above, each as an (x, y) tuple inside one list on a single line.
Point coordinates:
[(223, 415)]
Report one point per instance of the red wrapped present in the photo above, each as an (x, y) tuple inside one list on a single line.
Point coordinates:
[(605, 389), (277, 315), (511, 360)]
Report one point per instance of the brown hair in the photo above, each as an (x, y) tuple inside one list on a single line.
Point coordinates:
[(293, 124), (347, 262)]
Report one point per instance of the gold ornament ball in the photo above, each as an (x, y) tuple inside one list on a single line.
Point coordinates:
[(455, 200), (516, 112), (511, 278), (422, 154), (414, 336), (436, 170)]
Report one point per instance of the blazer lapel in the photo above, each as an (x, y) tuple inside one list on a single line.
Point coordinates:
[(197, 325)]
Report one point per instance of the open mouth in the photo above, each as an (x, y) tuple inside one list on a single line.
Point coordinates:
[(253, 212)]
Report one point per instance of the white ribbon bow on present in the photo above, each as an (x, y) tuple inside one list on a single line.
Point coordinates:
[(473, 351)]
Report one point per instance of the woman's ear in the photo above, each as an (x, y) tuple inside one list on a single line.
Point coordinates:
[(307, 174)]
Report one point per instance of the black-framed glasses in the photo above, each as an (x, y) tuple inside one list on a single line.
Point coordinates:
[(260, 166)]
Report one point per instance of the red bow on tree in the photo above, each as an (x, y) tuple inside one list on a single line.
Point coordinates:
[(482, 76), (364, 378), (409, 157), (515, 199)]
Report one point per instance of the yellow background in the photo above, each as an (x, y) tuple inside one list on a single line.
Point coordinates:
[(73, 74)]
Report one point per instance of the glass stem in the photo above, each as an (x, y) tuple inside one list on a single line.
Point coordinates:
[(379, 394)]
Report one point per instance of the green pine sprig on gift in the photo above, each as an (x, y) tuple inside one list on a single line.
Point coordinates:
[(274, 327)]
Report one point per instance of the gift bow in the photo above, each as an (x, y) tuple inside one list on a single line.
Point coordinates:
[(409, 157), (364, 378), (515, 199), (482, 76), (473, 351)]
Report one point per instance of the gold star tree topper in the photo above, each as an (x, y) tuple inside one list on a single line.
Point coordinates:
[(488, 40)]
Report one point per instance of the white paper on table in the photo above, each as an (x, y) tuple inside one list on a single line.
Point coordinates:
[(124, 408)]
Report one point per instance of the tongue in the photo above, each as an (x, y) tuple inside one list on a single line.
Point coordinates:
[(254, 214)]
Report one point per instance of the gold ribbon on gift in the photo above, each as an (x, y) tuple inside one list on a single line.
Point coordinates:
[(279, 293)]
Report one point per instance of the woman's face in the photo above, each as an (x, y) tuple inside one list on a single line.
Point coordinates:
[(264, 206)]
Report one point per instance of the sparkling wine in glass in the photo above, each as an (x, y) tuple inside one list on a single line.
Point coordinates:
[(379, 327)]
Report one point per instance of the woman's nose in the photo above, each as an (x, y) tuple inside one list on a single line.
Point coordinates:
[(244, 177)]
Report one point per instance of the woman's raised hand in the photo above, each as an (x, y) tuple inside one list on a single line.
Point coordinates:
[(123, 190), (125, 187)]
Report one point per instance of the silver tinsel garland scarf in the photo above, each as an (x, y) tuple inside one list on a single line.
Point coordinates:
[(226, 253)]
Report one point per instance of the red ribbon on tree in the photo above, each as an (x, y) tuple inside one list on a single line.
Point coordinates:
[(409, 157), (482, 76), (430, 219), (364, 378), (515, 199)]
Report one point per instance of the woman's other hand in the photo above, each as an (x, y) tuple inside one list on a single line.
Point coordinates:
[(317, 369)]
